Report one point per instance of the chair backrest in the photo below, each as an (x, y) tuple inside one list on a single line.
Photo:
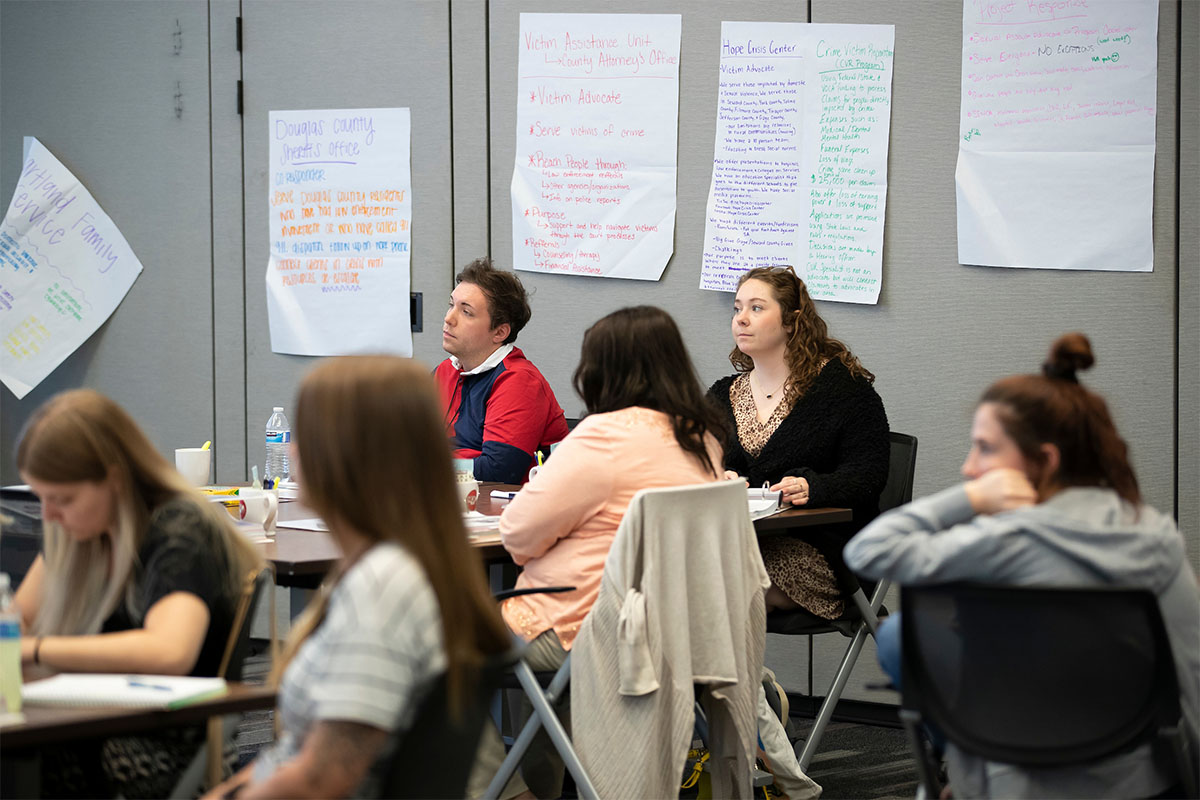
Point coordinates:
[(1034, 676), (433, 757), (237, 647), (902, 466)]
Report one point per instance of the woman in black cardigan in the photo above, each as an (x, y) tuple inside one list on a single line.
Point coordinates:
[(804, 418)]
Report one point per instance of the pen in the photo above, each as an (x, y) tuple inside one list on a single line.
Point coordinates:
[(540, 459), (143, 685), (499, 495)]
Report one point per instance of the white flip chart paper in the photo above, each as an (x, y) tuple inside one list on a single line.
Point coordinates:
[(340, 199), (64, 268), (593, 187), (800, 158), (1056, 137)]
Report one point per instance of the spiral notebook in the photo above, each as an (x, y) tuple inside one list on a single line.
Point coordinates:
[(130, 691)]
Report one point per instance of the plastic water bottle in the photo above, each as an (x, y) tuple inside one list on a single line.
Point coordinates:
[(279, 435), (10, 649)]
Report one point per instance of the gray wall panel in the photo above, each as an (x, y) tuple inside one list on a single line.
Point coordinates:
[(942, 331), (96, 81), (1189, 279), (229, 300), (469, 119), (379, 54), (97, 84), (564, 306)]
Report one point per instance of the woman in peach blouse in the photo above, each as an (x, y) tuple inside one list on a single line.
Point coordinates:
[(648, 426)]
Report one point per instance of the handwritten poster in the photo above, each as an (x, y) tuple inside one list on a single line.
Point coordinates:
[(593, 188), (1056, 137), (800, 158), (340, 200), (64, 268)]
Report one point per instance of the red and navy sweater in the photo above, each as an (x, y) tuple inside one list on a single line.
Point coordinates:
[(501, 417)]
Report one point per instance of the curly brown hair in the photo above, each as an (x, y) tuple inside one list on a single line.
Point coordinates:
[(809, 344)]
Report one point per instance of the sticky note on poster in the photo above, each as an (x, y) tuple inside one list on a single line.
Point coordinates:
[(593, 187), (64, 268), (340, 213)]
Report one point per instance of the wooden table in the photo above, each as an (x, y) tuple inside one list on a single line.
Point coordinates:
[(45, 725), (303, 558), (21, 745)]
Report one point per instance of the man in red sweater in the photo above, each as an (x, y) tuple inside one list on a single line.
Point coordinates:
[(499, 409)]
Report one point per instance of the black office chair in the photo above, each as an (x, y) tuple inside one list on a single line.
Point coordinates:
[(864, 608), (1039, 677), (434, 756)]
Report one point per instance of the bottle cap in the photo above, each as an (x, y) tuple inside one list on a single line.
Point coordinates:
[(278, 409)]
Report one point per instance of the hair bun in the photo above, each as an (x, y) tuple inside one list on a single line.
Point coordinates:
[(1070, 353)]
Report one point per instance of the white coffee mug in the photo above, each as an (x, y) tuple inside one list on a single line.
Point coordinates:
[(533, 471), (258, 506), (194, 464), (468, 492)]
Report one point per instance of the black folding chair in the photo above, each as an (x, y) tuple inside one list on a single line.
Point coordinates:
[(205, 767), (864, 606), (1039, 677), (543, 690)]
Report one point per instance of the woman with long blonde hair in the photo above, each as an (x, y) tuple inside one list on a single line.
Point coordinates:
[(409, 600), (138, 573)]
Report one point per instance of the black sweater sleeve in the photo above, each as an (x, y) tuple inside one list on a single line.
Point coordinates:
[(860, 466), (836, 437)]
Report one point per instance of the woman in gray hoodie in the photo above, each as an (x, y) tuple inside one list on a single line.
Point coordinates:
[(1050, 500)]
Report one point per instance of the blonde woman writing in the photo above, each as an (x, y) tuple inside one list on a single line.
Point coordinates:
[(137, 574)]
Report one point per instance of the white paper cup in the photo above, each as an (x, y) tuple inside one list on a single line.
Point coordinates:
[(259, 507), (193, 464), (468, 492)]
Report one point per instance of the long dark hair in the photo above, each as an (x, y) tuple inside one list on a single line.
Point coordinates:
[(373, 455), (1055, 408), (809, 344), (635, 357)]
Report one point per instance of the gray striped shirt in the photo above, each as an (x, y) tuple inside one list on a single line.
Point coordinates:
[(369, 661)]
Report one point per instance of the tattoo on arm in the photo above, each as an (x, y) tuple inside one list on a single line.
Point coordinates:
[(341, 752)]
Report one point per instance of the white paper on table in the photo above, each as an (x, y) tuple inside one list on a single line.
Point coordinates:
[(64, 269), (593, 186), (800, 156), (474, 519), (340, 215), (1056, 134), (310, 524)]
